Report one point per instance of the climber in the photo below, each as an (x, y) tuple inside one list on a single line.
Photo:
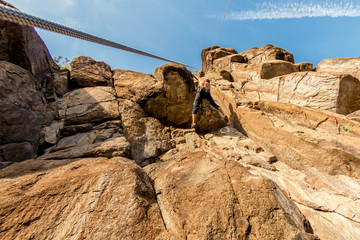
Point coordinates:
[(204, 93)]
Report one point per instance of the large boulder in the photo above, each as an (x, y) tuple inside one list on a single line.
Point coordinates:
[(91, 104), (208, 119), (112, 147), (210, 54), (21, 112), (340, 65), (328, 141), (274, 68), (267, 52), (86, 72), (174, 104), (204, 196), (135, 86), (147, 136), (94, 198), (21, 45), (337, 93)]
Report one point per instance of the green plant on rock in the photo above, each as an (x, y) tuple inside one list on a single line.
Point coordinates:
[(344, 127)]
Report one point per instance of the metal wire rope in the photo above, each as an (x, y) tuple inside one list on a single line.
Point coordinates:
[(222, 22), (16, 16)]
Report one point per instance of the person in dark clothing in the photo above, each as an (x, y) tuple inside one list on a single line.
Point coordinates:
[(204, 93)]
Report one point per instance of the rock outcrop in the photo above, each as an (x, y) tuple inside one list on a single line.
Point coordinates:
[(340, 65), (174, 103), (86, 72), (22, 46), (25, 68), (117, 159), (21, 113)]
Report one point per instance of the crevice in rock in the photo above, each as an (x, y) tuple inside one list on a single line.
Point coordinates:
[(326, 210), (161, 214), (157, 201), (236, 203), (319, 123)]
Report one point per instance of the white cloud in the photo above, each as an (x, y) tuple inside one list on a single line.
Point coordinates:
[(298, 10)]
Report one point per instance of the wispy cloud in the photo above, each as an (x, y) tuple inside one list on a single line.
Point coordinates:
[(298, 10)]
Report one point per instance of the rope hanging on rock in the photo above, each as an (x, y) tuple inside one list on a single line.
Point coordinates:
[(16, 16), (227, 9)]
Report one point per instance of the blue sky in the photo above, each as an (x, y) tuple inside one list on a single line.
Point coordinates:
[(312, 30)]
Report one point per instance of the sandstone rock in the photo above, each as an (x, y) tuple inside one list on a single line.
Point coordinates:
[(22, 46), (21, 108), (274, 68), (355, 116), (86, 72), (226, 75), (147, 136), (328, 202), (305, 67), (340, 65), (88, 199), (178, 134), (86, 138), (337, 93), (61, 82), (50, 135), (202, 196), (16, 152), (174, 104), (210, 54), (208, 118), (267, 52), (113, 147), (135, 86), (92, 104), (74, 129), (328, 141)]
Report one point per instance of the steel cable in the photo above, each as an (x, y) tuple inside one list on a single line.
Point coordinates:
[(16, 16)]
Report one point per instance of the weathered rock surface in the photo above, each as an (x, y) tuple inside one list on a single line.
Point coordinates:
[(208, 118), (337, 93), (210, 54), (267, 52), (86, 72), (202, 196), (175, 103), (355, 116), (92, 104), (274, 68), (280, 171), (91, 198), (340, 65), (21, 111), (326, 140), (135, 86), (22, 46)]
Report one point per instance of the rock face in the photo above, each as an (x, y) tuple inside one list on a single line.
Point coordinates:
[(340, 65), (86, 72), (115, 193), (269, 73), (175, 102), (135, 86), (337, 93), (267, 52), (21, 108), (89, 105), (202, 196), (118, 160), (22, 46), (25, 64)]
